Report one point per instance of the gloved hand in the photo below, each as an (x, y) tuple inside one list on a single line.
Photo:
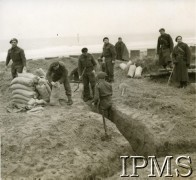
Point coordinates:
[(113, 61)]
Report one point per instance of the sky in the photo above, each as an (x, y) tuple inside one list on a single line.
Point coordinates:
[(51, 18)]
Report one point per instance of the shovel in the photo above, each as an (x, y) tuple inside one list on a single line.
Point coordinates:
[(106, 137), (169, 80), (80, 80)]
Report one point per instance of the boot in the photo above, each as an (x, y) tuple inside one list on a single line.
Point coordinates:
[(70, 102), (181, 85)]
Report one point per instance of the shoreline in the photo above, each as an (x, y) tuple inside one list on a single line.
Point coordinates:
[(66, 51)]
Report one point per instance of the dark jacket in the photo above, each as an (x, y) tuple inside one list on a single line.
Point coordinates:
[(103, 93), (109, 52), (61, 74), (165, 42), (122, 52), (86, 61), (181, 58), (17, 55)]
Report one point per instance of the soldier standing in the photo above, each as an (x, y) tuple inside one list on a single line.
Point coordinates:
[(181, 58), (164, 48), (58, 72), (122, 52), (109, 56), (18, 58), (86, 69)]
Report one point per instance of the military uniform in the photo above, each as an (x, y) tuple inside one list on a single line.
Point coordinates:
[(181, 58), (86, 64), (18, 58), (103, 97), (61, 75), (109, 53), (164, 49), (121, 51)]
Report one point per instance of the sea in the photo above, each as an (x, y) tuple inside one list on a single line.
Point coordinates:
[(58, 46)]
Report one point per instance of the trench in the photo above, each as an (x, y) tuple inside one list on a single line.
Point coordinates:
[(133, 125)]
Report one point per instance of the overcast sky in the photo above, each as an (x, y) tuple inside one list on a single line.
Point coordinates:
[(47, 18)]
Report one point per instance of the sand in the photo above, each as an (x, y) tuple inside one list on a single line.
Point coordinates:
[(65, 142)]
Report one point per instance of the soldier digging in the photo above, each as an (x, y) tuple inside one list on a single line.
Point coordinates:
[(86, 69)]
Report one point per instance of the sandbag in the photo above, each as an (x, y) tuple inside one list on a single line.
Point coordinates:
[(43, 92), (123, 66), (28, 94), (18, 96), (138, 72), (20, 86), (24, 81), (19, 101), (40, 72), (26, 75), (131, 71), (55, 94)]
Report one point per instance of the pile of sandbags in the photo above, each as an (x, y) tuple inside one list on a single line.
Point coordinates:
[(131, 69), (23, 88), (135, 72)]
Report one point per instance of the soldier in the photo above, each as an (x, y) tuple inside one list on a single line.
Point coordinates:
[(121, 50), (109, 56), (181, 58), (164, 48), (103, 95), (86, 69), (58, 72), (18, 58)]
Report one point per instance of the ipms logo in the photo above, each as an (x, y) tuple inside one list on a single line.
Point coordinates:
[(182, 169)]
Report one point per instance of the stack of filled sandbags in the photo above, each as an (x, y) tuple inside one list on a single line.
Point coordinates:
[(23, 88), (135, 72), (43, 89)]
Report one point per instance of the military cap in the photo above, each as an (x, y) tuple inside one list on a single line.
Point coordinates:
[(101, 75), (13, 39), (105, 38), (162, 29), (84, 50), (177, 38)]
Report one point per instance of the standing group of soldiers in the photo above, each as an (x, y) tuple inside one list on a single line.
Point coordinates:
[(99, 88), (180, 55)]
